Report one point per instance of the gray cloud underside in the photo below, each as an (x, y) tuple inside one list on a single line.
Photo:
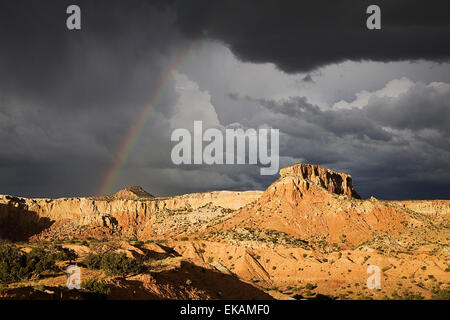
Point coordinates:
[(304, 35), (68, 98)]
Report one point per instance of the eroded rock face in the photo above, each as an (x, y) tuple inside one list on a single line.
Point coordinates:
[(17, 223), (121, 214), (310, 202), (306, 202), (335, 182), (429, 207)]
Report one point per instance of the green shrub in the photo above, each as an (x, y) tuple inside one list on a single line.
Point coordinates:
[(119, 264), (308, 293), (96, 286), (16, 265), (65, 254), (12, 263), (310, 286), (93, 261), (38, 260), (441, 295), (114, 264), (320, 296), (407, 296)]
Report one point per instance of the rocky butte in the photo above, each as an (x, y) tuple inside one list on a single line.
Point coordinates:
[(335, 182)]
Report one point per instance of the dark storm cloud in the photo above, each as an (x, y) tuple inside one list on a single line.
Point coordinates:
[(395, 147), (46, 60), (303, 35), (343, 122), (67, 98), (308, 78), (422, 107)]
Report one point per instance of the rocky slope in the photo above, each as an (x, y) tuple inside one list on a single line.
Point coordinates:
[(307, 233), (127, 213), (430, 207), (317, 205)]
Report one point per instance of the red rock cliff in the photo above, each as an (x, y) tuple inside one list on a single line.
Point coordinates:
[(335, 182)]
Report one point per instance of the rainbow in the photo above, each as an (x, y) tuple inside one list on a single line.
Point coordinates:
[(129, 141)]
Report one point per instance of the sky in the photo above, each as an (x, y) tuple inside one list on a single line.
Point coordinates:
[(372, 103)]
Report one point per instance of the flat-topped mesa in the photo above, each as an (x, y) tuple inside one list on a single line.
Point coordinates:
[(336, 182)]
